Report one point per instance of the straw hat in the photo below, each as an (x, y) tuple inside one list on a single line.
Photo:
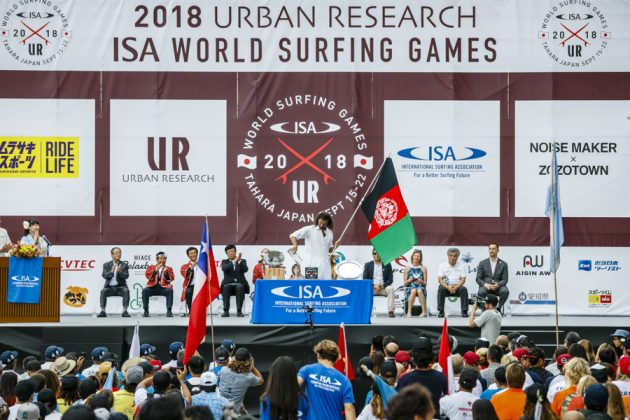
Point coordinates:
[(63, 366)]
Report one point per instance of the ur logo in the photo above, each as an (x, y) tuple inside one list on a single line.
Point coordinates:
[(180, 146), (35, 33), (574, 34), (536, 261)]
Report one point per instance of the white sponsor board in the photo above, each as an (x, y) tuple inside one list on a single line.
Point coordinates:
[(446, 155), (593, 149), (590, 280), (168, 158), (279, 35), (47, 157)]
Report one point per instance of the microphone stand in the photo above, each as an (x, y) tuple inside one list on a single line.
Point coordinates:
[(308, 339)]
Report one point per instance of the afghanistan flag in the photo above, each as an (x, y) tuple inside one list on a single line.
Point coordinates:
[(391, 231)]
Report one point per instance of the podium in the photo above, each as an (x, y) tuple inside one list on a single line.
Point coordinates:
[(48, 308)]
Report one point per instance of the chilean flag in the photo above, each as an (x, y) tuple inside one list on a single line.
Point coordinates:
[(206, 290)]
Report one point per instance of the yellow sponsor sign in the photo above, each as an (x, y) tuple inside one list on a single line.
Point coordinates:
[(594, 299), (39, 157)]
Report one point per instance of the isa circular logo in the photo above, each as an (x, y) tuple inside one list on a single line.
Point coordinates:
[(35, 33), (574, 33)]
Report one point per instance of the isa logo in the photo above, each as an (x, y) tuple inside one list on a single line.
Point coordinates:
[(585, 265)]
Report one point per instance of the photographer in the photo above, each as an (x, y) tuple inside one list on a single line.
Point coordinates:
[(489, 321)]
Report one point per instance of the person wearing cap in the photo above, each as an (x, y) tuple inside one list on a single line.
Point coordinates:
[(403, 360), (173, 350), (596, 402), (63, 366), (259, 269), (159, 279), (492, 277), (509, 404), (24, 392), (558, 382), (523, 356), (458, 406), (208, 395), (147, 349), (619, 337), (124, 397), (97, 358), (470, 360), (50, 355), (574, 370), (239, 375), (623, 378), (553, 367), (489, 321), (328, 390), (9, 360), (115, 273), (234, 281), (28, 411), (382, 279), (230, 345), (451, 277), (221, 360), (381, 392), (188, 273), (423, 358)]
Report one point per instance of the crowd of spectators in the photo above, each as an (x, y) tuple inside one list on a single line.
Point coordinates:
[(507, 379)]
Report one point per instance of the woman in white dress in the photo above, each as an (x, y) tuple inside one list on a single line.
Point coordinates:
[(33, 237), (318, 239)]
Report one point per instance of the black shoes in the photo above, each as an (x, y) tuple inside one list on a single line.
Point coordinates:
[(225, 314), (169, 314), (441, 314), (145, 314), (464, 314), (126, 315), (240, 314), (102, 314)]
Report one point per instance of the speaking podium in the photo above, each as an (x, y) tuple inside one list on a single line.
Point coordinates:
[(47, 310)]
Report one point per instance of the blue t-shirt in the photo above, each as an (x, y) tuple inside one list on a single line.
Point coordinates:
[(488, 393), (303, 408), (327, 391)]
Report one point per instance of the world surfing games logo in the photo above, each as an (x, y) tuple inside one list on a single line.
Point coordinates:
[(574, 33), (304, 154), (35, 33), (443, 161)]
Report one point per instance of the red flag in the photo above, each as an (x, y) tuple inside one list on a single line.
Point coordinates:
[(343, 365), (444, 359), (206, 290)]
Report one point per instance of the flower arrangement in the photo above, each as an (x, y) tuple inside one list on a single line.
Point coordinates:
[(24, 251)]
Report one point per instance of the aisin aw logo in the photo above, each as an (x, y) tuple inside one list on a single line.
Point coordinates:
[(574, 33), (35, 33)]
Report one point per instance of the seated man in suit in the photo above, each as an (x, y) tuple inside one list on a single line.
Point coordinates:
[(115, 273), (382, 278), (492, 276), (188, 273), (234, 282), (451, 277), (159, 278)]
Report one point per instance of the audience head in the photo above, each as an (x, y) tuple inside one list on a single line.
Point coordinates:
[(515, 375), (422, 352), (327, 350), (413, 402), (468, 379), (483, 409), (575, 369), (596, 397), (571, 338)]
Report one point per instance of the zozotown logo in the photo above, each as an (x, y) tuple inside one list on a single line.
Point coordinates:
[(310, 292)]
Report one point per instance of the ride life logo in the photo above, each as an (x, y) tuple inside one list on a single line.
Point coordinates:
[(35, 33), (304, 154), (164, 153), (574, 33)]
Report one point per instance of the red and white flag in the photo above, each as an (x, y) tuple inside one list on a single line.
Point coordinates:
[(343, 365), (444, 360), (246, 161), (361, 161), (206, 290)]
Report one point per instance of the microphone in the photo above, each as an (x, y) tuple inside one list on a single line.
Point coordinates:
[(46, 240)]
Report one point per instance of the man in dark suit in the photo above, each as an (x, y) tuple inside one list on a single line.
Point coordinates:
[(234, 282), (115, 273), (382, 278), (492, 276)]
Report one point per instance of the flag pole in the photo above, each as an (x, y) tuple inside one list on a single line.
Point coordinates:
[(210, 293), (367, 191), (345, 349), (554, 200)]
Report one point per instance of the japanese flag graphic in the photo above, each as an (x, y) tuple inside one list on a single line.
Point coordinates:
[(245, 161), (361, 161)]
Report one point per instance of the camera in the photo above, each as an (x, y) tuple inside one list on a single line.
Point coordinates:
[(476, 299)]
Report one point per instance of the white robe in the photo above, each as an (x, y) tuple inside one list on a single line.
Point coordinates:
[(316, 253)]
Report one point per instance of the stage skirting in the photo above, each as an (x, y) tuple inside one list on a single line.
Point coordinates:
[(316, 301)]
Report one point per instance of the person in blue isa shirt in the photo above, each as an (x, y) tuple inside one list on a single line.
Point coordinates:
[(33, 237), (283, 398), (328, 391)]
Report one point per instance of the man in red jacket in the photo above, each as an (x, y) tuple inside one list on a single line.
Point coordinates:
[(188, 273), (159, 278)]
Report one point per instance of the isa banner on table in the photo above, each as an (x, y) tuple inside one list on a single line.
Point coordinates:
[(25, 280)]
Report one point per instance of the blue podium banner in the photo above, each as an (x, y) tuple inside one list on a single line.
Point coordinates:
[(332, 301), (25, 280)]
